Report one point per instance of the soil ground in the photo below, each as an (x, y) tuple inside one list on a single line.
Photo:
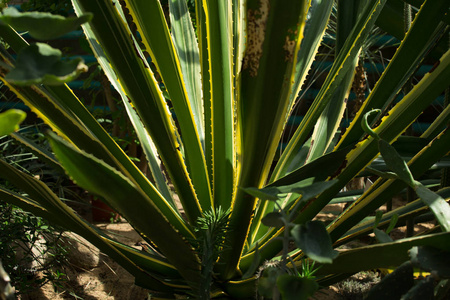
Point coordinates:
[(92, 275)]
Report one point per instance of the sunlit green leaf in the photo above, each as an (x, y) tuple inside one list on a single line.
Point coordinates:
[(334, 80), (40, 63), (145, 141), (254, 56), (382, 236), (425, 29), (141, 87), (10, 120), (42, 26), (185, 43), (437, 204)]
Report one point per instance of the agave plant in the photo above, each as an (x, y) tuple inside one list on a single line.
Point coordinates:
[(209, 96)]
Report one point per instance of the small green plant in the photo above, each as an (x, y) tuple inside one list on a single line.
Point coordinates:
[(281, 277), (28, 244), (30, 250), (211, 229), (307, 270)]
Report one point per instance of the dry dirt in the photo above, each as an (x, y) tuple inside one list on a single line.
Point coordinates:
[(91, 275)]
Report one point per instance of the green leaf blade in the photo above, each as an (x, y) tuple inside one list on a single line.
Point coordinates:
[(46, 204), (329, 121), (142, 134), (386, 255), (42, 64), (263, 194), (42, 26), (382, 236), (395, 162), (420, 38), (219, 34), (273, 219), (274, 32), (342, 64), (129, 200), (179, 82), (186, 46), (437, 204), (314, 241), (141, 87), (10, 120)]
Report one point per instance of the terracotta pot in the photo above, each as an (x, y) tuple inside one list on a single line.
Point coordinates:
[(101, 212)]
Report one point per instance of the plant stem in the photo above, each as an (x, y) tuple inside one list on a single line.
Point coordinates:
[(407, 88)]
